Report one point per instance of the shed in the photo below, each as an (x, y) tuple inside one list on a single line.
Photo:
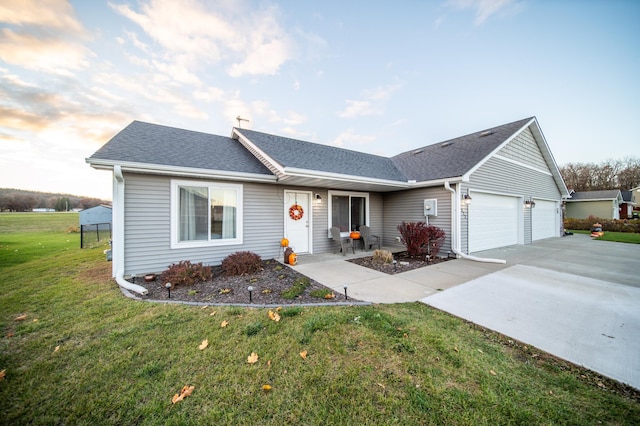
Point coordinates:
[(95, 225)]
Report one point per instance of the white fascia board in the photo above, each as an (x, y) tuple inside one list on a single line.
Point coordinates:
[(546, 152), (295, 172), (437, 182), (246, 141), (160, 169)]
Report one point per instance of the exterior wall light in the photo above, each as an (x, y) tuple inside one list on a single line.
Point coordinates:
[(466, 198), (318, 199), (529, 203)]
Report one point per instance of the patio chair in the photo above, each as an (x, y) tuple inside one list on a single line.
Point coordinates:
[(368, 240), (341, 243)]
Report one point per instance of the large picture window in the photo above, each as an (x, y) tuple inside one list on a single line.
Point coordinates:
[(348, 210), (209, 214)]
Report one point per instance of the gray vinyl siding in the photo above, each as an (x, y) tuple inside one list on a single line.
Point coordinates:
[(524, 148), (148, 225), (408, 206), (499, 176)]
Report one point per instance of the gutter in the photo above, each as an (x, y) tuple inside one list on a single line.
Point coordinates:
[(455, 229), (118, 249)]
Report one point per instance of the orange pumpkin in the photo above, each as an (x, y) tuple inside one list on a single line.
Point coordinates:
[(284, 242), (293, 259), (355, 235)]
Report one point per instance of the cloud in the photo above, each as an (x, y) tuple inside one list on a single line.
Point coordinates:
[(372, 102), (483, 8), (248, 42), (348, 138), (46, 36)]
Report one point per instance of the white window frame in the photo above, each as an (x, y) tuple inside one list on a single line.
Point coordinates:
[(350, 194), (175, 214)]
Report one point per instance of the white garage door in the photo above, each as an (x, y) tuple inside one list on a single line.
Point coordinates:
[(544, 217), (493, 221)]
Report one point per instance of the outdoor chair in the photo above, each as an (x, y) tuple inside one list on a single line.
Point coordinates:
[(368, 240), (341, 243)]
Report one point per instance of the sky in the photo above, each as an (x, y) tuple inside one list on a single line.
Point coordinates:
[(380, 77)]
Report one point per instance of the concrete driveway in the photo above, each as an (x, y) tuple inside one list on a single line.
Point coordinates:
[(572, 297)]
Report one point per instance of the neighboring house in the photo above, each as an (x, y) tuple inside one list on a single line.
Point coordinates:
[(95, 215), (626, 207), (184, 195), (601, 204)]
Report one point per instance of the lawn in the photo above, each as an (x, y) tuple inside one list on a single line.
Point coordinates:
[(618, 237), (75, 351)]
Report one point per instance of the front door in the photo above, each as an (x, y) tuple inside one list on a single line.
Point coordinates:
[(297, 220)]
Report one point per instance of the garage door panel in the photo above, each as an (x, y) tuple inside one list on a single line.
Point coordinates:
[(544, 220), (493, 221)]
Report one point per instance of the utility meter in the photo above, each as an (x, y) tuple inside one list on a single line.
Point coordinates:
[(431, 207)]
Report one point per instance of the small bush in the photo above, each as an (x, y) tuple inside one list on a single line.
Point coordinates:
[(421, 239), (382, 256), (298, 287), (186, 273), (241, 263)]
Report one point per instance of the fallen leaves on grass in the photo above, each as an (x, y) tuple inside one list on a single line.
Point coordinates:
[(184, 392), (224, 323), (253, 358), (493, 373), (204, 344), (266, 388), (303, 354), (274, 316), (330, 296), (212, 313), (20, 317), (3, 373), (56, 349)]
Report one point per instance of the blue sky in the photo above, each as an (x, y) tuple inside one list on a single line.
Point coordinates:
[(379, 77)]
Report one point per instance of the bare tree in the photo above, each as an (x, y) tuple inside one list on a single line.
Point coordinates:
[(610, 174)]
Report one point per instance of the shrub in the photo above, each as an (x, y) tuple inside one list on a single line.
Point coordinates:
[(382, 256), (241, 263), (421, 239), (610, 225), (186, 273)]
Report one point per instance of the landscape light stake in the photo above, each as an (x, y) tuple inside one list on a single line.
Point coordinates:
[(395, 265), (345, 292), (250, 288), (168, 286)]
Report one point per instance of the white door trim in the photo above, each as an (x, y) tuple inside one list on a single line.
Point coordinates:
[(308, 209)]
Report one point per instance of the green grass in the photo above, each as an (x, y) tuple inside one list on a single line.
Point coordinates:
[(618, 237), (120, 361)]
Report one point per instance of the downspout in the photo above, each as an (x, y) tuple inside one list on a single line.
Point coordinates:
[(118, 252), (455, 229)]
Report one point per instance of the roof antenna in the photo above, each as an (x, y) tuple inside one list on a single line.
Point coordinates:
[(240, 120)]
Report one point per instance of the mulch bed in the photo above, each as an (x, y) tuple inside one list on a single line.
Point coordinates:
[(404, 263), (268, 286)]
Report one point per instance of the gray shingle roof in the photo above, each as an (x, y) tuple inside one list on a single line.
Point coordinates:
[(147, 143), (627, 196), (312, 156), (609, 194), (454, 157)]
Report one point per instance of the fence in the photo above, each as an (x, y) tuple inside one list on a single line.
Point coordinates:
[(94, 234)]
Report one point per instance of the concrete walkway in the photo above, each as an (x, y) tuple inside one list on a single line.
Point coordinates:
[(573, 297)]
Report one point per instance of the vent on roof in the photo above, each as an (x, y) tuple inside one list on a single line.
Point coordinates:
[(445, 144), (486, 133), (417, 151)]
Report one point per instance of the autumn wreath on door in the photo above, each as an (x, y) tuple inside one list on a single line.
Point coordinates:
[(296, 212)]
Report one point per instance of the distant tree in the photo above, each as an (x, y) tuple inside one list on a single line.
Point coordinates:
[(610, 174), (62, 204)]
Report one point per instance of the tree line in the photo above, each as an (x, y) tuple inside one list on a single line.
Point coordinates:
[(609, 174), (17, 200)]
